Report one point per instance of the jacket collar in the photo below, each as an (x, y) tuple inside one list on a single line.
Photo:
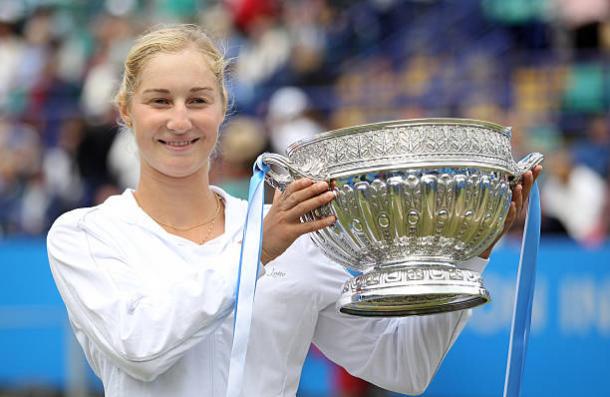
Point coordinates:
[(126, 208)]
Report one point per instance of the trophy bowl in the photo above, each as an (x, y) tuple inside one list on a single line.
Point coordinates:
[(414, 199)]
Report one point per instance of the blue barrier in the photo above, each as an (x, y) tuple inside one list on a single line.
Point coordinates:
[(568, 353), (32, 318), (569, 347)]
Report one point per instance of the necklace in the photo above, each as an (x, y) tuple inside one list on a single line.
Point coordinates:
[(205, 237), (187, 229), (211, 221)]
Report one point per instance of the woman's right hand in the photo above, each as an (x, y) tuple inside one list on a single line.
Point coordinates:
[(282, 225)]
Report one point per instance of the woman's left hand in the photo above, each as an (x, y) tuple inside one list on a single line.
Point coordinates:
[(521, 193), (282, 225)]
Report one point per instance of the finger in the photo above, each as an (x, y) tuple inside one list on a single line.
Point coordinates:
[(526, 183), (536, 171), (276, 196), (298, 196), (312, 226), (510, 216), (312, 203), (284, 199), (297, 185), (312, 191), (518, 197)]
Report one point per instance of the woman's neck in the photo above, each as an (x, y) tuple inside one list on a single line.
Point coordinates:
[(180, 202)]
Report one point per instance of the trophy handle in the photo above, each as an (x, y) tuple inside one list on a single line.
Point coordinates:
[(281, 170), (525, 164)]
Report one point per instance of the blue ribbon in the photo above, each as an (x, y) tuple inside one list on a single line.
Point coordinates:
[(249, 266), (524, 296)]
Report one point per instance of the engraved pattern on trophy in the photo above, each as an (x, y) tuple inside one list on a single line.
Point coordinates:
[(413, 199), (422, 275), (395, 279), (414, 144)]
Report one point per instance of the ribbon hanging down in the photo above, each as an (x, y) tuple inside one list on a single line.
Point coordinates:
[(249, 266), (524, 296)]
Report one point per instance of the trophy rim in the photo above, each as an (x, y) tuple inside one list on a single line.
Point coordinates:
[(370, 305), (438, 294), (437, 121)]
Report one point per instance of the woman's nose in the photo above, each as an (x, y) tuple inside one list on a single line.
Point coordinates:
[(179, 120)]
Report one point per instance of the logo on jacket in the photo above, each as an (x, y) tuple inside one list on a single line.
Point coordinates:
[(274, 273)]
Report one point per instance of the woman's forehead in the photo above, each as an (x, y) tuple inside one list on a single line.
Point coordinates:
[(183, 68), (185, 59)]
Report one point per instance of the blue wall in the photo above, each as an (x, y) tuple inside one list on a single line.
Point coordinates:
[(568, 355), (569, 346), (32, 319)]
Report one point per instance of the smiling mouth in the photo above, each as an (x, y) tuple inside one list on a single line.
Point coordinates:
[(179, 143)]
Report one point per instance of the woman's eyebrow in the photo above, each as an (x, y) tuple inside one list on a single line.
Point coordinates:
[(195, 89), (156, 90), (166, 91)]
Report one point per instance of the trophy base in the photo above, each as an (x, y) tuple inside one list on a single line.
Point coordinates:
[(412, 290)]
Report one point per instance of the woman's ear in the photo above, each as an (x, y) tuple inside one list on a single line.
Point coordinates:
[(124, 113)]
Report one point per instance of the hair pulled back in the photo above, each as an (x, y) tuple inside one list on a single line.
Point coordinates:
[(169, 39)]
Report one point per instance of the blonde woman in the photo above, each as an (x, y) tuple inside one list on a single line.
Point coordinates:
[(148, 277)]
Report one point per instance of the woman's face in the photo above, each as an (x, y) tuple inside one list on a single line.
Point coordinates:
[(175, 114)]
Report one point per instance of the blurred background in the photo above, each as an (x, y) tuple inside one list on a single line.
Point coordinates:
[(301, 67)]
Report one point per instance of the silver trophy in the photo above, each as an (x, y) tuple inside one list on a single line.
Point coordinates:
[(414, 199)]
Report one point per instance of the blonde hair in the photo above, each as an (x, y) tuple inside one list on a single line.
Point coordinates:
[(170, 39)]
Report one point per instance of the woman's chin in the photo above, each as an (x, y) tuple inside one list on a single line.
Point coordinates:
[(181, 172), (184, 173)]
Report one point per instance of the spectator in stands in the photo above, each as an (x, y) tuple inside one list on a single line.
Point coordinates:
[(23, 199), (241, 141), (288, 120), (148, 277), (11, 51), (60, 167), (575, 195), (593, 150)]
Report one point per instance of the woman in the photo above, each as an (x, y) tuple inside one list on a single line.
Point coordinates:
[(149, 276)]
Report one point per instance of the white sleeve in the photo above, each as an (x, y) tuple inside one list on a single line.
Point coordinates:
[(398, 354), (476, 264), (142, 331)]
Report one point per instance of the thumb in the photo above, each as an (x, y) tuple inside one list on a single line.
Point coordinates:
[(276, 195)]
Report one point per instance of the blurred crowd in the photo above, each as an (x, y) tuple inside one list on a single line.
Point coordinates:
[(300, 67)]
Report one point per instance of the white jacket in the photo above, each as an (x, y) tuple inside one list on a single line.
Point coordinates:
[(153, 311)]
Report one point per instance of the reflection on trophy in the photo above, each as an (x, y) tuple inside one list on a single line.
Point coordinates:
[(415, 198)]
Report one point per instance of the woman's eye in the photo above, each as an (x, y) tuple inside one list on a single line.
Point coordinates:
[(160, 101), (199, 101)]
